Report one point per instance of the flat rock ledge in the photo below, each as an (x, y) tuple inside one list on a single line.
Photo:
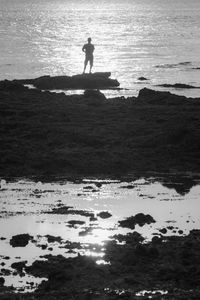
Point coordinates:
[(98, 80)]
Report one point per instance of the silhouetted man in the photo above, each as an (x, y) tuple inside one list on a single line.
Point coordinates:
[(88, 49)]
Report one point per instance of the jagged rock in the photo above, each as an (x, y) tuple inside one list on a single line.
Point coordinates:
[(20, 240), (81, 81)]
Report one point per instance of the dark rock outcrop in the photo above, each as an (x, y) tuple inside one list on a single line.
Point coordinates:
[(99, 80)]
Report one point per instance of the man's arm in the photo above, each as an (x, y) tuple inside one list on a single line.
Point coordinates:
[(83, 49)]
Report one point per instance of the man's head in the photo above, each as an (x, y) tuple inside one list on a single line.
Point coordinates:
[(89, 40)]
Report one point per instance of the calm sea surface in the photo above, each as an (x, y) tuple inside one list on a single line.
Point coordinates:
[(157, 39)]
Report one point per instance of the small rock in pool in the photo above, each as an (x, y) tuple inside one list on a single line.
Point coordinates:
[(163, 230), (75, 222), (142, 78), (6, 257), (93, 218), (20, 240), (53, 239), (104, 215)]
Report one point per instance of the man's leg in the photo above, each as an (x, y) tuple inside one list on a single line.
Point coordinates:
[(91, 64), (85, 65)]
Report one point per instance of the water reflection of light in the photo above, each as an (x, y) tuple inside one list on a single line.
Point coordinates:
[(102, 262), (145, 292), (98, 236), (93, 254)]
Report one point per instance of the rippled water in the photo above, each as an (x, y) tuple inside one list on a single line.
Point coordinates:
[(24, 207), (153, 38)]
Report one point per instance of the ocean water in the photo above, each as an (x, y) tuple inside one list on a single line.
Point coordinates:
[(157, 39)]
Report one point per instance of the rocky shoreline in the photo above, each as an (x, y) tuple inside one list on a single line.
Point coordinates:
[(49, 135), (46, 134)]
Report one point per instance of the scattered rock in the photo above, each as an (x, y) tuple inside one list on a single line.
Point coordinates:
[(129, 238), (75, 222), (142, 78), (5, 272), (139, 219), (67, 210), (104, 215), (53, 239), (19, 265), (88, 187), (6, 257), (20, 240), (43, 246), (163, 230), (93, 218)]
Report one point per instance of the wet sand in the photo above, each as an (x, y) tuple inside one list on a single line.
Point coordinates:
[(73, 239)]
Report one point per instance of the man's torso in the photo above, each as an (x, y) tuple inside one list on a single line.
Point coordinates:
[(89, 49)]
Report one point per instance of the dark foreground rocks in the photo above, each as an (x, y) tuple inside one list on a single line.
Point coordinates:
[(98, 80), (170, 266), (48, 134)]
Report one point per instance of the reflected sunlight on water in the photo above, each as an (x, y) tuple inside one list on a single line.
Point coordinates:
[(25, 207)]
